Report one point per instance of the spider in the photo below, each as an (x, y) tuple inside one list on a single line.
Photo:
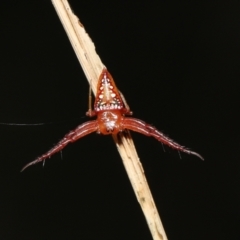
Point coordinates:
[(111, 110)]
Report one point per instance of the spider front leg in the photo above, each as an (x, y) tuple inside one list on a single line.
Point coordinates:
[(126, 109), (90, 112), (81, 131), (148, 130)]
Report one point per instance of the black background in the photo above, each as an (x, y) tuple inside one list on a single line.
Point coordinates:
[(177, 64)]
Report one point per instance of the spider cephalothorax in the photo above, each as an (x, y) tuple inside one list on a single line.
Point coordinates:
[(111, 111)]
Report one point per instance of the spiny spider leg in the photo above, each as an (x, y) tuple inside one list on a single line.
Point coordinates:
[(81, 131), (148, 130)]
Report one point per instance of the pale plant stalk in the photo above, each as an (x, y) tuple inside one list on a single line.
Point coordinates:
[(92, 67)]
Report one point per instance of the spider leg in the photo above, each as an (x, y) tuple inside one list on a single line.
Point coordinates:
[(148, 130), (81, 131), (127, 108), (90, 112)]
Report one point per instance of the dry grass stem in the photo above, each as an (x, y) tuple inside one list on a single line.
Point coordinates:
[(92, 67)]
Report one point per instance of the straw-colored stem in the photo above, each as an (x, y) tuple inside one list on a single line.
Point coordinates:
[(92, 67)]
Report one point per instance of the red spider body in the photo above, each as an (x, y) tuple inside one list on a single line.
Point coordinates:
[(108, 106), (111, 110)]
